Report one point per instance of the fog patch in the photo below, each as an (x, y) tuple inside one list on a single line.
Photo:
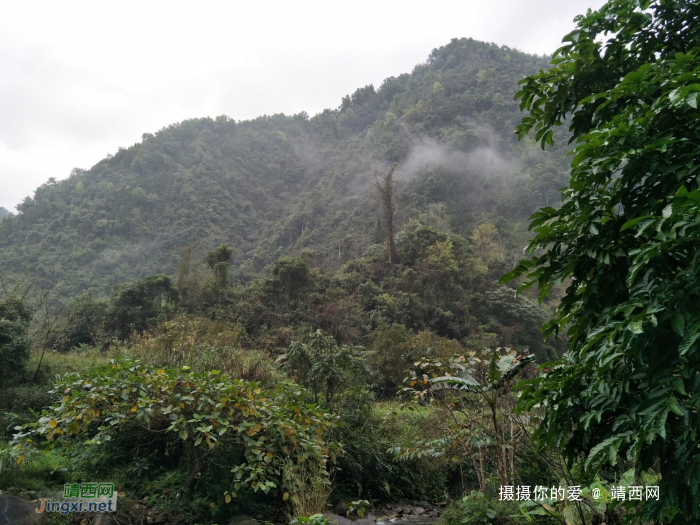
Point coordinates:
[(481, 161)]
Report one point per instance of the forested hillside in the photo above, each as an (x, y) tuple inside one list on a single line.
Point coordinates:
[(258, 322), (280, 184), (3, 212)]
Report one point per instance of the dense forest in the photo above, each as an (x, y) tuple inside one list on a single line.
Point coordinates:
[(280, 184), (325, 320)]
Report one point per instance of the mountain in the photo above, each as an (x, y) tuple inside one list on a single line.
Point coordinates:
[(281, 184), (3, 212)]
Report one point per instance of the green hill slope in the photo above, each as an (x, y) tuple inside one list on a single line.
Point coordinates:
[(279, 184)]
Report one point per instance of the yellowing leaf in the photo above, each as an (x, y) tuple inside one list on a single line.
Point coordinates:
[(53, 423), (19, 459), (228, 498), (285, 496)]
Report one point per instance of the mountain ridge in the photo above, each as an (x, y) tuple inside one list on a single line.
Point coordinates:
[(277, 185)]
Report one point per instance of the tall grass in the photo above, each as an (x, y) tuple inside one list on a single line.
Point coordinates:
[(310, 487), (202, 345)]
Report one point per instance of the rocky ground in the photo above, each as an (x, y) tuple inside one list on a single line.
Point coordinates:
[(17, 511)]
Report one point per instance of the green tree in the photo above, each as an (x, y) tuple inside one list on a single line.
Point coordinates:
[(14, 341), (140, 304), (85, 322), (628, 235), (218, 262), (325, 368), (485, 241)]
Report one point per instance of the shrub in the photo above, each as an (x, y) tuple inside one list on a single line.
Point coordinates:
[(204, 345), (204, 416), (14, 342)]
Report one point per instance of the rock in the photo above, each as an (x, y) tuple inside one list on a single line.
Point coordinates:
[(418, 511), (425, 505), (369, 519), (242, 520), (17, 511), (340, 508), (335, 519)]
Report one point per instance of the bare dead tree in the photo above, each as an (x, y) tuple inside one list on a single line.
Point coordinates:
[(385, 185)]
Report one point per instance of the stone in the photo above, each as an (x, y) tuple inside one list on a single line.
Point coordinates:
[(340, 508), (17, 511), (424, 504), (368, 519), (336, 519), (418, 511), (242, 520)]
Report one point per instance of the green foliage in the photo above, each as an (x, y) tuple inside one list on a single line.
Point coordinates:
[(314, 519), (627, 235), (202, 344), (325, 368), (14, 341), (359, 507), (201, 414), (277, 185), (85, 323), (476, 507), (218, 262), (138, 305), (472, 397)]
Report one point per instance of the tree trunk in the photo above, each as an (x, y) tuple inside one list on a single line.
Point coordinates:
[(385, 196), (502, 475)]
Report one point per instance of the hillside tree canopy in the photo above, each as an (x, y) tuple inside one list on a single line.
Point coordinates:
[(628, 237)]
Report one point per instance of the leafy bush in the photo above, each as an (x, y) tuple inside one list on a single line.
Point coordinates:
[(205, 416), (326, 368), (477, 508), (14, 342)]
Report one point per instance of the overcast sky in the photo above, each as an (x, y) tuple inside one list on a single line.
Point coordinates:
[(80, 79)]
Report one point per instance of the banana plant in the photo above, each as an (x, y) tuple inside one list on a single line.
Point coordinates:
[(487, 375)]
